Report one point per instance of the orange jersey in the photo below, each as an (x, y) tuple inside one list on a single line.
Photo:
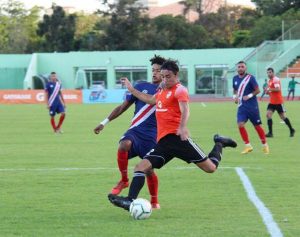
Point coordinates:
[(168, 113), (275, 96)]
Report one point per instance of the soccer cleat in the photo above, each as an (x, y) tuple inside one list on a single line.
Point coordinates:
[(119, 187), (58, 131), (269, 134), (266, 149), (225, 141), (292, 132), (119, 201), (155, 206), (247, 149)]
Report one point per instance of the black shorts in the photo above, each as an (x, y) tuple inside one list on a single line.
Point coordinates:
[(278, 107), (172, 146)]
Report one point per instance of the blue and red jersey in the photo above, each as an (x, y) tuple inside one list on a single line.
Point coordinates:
[(144, 114), (53, 90), (143, 128), (244, 86)]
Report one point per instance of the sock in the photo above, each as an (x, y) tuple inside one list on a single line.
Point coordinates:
[(216, 154), (244, 135), (288, 123), (261, 133), (152, 182), (270, 125), (123, 164), (52, 121), (61, 119), (136, 185)]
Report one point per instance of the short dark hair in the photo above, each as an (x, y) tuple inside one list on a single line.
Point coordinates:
[(170, 65), (270, 69), (241, 62), (53, 73), (157, 60)]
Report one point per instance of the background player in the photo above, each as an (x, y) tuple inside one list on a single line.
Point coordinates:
[(172, 113), (55, 102), (264, 87), (141, 136), (245, 89), (292, 87), (276, 103)]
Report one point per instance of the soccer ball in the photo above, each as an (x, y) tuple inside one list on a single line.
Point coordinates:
[(140, 209)]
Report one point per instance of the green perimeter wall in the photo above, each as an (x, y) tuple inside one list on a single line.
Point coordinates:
[(65, 64)]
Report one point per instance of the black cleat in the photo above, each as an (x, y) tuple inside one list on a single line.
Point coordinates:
[(292, 132), (225, 141), (269, 134), (119, 201)]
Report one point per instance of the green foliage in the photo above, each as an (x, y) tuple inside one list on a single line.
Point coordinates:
[(276, 7), (240, 38), (124, 25), (177, 33), (18, 27), (57, 30), (266, 28)]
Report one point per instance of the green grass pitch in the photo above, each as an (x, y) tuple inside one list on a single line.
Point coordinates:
[(57, 185)]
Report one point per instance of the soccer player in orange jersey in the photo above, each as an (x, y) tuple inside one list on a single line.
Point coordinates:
[(276, 103), (172, 113)]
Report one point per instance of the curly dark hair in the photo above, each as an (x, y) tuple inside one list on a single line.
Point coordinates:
[(157, 60)]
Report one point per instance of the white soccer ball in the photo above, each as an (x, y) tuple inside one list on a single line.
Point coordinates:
[(140, 209)]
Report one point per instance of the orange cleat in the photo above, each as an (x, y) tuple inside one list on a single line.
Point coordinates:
[(119, 187)]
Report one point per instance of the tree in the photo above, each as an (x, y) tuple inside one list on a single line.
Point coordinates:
[(126, 26), (177, 33), (57, 30), (276, 7), (17, 28)]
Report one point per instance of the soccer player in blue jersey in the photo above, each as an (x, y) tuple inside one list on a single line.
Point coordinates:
[(245, 89), (140, 138), (55, 102)]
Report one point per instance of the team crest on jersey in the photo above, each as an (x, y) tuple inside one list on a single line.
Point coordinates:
[(145, 91), (51, 86), (235, 83), (159, 104), (169, 94)]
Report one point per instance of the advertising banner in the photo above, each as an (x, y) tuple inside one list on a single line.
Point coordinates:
[(36, 96), (104, 96)]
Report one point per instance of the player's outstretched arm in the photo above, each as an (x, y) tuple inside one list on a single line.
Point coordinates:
[(149, 99), (183, 131), (114, 114)]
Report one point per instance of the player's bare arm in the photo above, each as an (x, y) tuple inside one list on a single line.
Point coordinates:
[(256, 92), (113, 115), (235, 97), (183, 131), (149, 99), (47, 99)]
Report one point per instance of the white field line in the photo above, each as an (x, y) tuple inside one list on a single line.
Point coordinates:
[(264, 212), (102, 168)]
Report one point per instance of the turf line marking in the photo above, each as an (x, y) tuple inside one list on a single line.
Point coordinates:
[(264, 212), (103, 168)]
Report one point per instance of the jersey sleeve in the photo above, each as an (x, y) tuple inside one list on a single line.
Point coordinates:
[(276, 82), (253, 82), (47, 88), (130, 97), (234, 84), (182, 94)]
